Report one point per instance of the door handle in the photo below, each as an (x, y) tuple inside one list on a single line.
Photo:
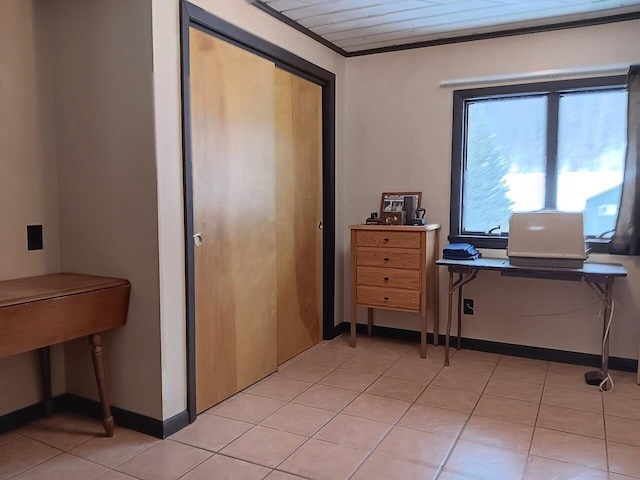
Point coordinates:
[(320, 225), (198, 239)]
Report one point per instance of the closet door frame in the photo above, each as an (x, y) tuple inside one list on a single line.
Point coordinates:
[(194, 16)]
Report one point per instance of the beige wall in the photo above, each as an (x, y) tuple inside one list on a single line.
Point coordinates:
[(398, 135), (106, 167), (120, 185), (78, 156), (121, 209), (28, 181), (169, 161)]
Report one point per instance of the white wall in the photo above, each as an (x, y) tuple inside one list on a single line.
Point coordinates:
[(398, 137), (28, 181), (169, 161)]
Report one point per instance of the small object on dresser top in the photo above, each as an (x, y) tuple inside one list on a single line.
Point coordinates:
[(373, 219), (419, 220), (393, 218)]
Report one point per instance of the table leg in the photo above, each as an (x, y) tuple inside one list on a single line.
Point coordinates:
[(369, 320), (45, 369), (606, 314), (605, 294), (98, 366), (352, 338), (459, 312), (458, 284), (448, 333), (423, 334), (436, 295)]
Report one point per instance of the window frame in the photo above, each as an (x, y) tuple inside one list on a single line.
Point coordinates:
[(552, 90)]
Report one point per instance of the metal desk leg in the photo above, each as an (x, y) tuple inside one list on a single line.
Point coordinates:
[(459, 284), (459, 313), (606, 297), (448, 333), (606, 315)]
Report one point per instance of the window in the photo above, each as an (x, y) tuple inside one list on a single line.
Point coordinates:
[(555, 145)]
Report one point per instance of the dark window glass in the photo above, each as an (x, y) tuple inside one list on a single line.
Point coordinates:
[(557, 145)]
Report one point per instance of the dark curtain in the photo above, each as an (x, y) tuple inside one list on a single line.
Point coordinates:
[(626, 239)]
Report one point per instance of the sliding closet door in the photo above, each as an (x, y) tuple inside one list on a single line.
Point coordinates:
[(234, 199), (299, 211)]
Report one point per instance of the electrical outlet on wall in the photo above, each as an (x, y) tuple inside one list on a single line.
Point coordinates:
[(467, 306), (34, 237)]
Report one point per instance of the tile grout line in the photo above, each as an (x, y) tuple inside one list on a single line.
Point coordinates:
[(37, 464), (606, 439), (527, 470), (310, 437), (396, 421), (459, 435), (287, 402)]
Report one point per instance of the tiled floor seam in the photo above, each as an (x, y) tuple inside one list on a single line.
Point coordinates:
[(181, 476), (397, 420), (606, 440), (386, 434), (457, 439), (37, 464), (455, 442), (527, 467)]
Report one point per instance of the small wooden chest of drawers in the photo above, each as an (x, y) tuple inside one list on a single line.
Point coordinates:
[(393, 268)]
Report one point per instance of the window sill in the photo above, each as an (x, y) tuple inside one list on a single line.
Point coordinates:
[(595, 245)]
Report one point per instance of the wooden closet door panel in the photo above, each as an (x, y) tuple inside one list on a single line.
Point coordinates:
[(233, 151), (299, 209)]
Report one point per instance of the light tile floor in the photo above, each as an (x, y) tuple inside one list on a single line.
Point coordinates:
[(374, 412)]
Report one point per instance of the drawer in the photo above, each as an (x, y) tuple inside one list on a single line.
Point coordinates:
[(376, 238), (393, 298), (389, 277), (388, 257)]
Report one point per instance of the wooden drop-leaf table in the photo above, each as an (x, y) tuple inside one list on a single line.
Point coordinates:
[(37, 312)]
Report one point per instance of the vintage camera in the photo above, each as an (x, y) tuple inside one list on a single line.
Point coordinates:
[(373, 219)]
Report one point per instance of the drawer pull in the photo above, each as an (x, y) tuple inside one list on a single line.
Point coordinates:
[(386, 259), (386, 279), (386, 239), (386, 299)]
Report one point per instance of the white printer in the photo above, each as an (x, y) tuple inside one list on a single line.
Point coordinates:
[(547, 239)]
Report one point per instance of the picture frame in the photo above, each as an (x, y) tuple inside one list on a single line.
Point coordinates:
[(395, 202)]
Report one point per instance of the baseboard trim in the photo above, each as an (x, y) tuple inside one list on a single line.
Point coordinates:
[(539, 353), (20, 418), (91, 408), (175, 423)]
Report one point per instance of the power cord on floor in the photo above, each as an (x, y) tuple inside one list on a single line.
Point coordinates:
[(604, 382), (604, 342)]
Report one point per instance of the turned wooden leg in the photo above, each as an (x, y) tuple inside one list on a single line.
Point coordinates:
[(352, 338), (98, 366), (45, 369), (423, 334)]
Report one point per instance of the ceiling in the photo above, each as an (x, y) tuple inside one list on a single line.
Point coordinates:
[(358, 26)]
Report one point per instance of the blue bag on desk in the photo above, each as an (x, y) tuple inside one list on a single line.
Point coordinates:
[(461, 251)]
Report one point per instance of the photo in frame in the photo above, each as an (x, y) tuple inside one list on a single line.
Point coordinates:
[(406, 202)]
